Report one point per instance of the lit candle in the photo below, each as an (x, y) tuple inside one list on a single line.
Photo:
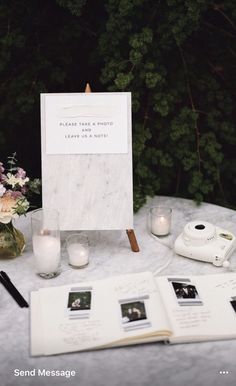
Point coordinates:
[(78, 255), (47, 253), (160, 226)]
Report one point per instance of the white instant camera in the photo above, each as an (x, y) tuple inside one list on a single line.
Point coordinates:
[(203, 241)]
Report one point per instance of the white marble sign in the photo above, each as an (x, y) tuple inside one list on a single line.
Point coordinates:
[(87, 159)]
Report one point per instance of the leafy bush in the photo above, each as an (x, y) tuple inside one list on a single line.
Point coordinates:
[(178, 58)]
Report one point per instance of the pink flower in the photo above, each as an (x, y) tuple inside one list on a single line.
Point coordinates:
[(15, 194), (2, 178), (24, 190), (21, 173), (2, 190)]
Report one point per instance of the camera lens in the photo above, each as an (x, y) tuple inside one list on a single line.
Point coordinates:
[(200, 226)]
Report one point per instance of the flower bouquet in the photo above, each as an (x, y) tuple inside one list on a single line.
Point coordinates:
[(15, 190)]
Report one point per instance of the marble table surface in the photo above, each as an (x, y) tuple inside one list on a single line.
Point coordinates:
[(151, 364)]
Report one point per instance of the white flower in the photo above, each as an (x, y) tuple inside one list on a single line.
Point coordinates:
[(23, 181), (6, 217), (22, 205), (13, 180), (2, 190)]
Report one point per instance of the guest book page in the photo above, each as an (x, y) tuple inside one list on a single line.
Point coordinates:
[(195, 306), (131, 309), (87, 159), (96, 314)]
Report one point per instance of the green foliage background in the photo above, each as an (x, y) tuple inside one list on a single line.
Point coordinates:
[(178, 57)]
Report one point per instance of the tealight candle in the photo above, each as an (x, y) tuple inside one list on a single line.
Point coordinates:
[(160, 221), (78, 255), (78, 250), (160, 226)]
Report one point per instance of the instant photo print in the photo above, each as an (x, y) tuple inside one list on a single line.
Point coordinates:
[(186, 292), (134, 313), (79, 302)]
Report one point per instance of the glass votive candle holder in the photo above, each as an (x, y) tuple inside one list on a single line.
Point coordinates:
[(77, 246), (159, 221), (46, 242)]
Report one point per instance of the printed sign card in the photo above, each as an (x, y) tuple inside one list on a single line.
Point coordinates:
[(87, 159), (86, 124)]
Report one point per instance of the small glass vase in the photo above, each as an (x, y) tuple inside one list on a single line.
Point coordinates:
[(12, 241)]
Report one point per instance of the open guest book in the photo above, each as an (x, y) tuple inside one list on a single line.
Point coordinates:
[(131, 309)]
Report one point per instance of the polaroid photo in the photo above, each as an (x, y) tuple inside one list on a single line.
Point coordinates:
[(233, 303), (134, 313), (79, 303), (185, 292)]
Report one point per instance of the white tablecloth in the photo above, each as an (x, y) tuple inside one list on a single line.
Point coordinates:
[(209, 363)]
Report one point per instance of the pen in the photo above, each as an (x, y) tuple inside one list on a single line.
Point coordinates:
[(6, 282), (5, 276)]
